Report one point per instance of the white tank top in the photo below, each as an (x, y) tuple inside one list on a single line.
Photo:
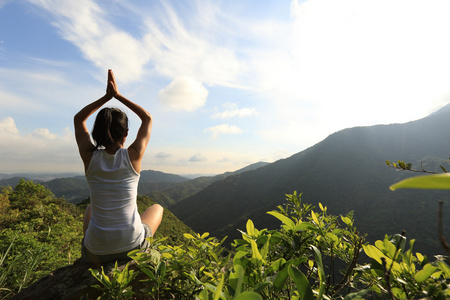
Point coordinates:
[(115, 222)]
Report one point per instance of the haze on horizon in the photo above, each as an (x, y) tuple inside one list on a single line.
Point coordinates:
[(229, 83)]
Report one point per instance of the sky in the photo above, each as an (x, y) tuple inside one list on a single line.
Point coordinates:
[(228, 83)]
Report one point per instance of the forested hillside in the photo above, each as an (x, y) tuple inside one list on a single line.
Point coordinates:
[(346, 172), (176, 193)]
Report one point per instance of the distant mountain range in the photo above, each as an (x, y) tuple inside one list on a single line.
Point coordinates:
[(164, 188), (75, 188), (345, 172)]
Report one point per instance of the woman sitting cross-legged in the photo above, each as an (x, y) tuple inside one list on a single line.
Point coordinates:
[(112, 225)]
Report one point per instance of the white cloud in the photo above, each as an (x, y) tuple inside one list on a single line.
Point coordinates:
[(44, 133), (194, 45), (232, 110), (223, 129), (84, 23), (40, 151), (184, 94), (8, 126)]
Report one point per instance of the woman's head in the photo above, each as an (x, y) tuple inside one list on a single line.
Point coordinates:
[(110, 127)]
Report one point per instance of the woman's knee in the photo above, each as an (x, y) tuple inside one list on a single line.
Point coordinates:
[(152, 216)]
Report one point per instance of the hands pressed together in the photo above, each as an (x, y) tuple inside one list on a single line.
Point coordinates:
[(112, 91)]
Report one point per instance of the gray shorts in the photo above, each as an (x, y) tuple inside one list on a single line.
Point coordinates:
[(101, 259)]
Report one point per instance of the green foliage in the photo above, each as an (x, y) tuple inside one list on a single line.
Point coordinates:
[(435, 181), (397, 271), (300, 260), (116, 288), (38, 234)]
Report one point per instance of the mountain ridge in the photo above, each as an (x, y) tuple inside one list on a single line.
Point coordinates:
[(346, 172)]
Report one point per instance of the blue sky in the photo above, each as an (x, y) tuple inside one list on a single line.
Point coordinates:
[(229, 83)]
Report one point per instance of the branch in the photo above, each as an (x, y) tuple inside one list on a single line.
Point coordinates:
[(387, 278), (402, 166), (444, 244)]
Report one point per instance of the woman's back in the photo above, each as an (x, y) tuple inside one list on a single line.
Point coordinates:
[(115, 222)]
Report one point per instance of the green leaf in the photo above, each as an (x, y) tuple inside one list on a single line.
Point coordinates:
[(357, 296), (276, 265), (321, 207), (302, 283), (249, 296), (445, 268), (189, 236), (281, 278), (347, 221), (255, 251), (304, 226), (203, 295), (250, 228), (373, 252), (321, 271), (219, 288), (161, 270), (425, 273), (313, 215), (238, 283), (288, 222), (259, 288), (435, 181), (148, 273)]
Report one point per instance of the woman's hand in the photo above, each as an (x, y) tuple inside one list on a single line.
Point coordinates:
[(112, 90)]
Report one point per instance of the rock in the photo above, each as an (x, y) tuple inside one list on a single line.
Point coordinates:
[(70, 282)]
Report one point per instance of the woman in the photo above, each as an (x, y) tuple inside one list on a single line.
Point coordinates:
[(112, 226)]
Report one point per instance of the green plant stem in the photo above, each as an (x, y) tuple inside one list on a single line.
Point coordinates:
[(444, 243)]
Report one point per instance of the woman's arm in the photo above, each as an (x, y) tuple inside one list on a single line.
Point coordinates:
[(82, 136), (137, 149)]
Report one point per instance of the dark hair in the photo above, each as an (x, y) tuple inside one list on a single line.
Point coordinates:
[(111, 126)]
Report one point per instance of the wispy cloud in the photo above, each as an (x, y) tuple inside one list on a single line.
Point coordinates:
[(223, 129), (232, 110), (163, 155), (197, 158), (84, 23)]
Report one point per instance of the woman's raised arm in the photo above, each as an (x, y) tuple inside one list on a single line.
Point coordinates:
[(82, 136), (137, 149)]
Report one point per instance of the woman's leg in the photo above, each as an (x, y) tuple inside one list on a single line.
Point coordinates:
[(152, 216), (86, 219)]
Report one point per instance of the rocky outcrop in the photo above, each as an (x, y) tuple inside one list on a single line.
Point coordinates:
[(69, 282)]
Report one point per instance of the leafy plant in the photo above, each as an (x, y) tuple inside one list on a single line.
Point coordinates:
[(118, 286), (401, 274)]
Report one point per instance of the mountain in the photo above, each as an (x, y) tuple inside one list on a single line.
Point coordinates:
[(181, 191), (164, 188), (75, 189), (345, 172), (38, 176)]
